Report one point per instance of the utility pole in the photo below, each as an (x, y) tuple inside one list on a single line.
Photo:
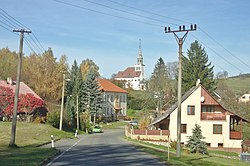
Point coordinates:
[(62, 102), (180, 41), (77, 112), (19, 67)]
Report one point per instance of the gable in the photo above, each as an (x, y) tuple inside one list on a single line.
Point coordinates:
[(208, 99)]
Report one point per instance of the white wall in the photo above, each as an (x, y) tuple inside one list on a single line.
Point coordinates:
[(206, 125)]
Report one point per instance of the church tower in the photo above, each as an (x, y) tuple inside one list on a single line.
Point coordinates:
[(140, 66), (140, 58)]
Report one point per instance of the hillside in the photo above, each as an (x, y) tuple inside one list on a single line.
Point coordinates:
[(238, 85)]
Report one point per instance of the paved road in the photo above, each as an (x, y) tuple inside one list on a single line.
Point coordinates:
[(104, 149)]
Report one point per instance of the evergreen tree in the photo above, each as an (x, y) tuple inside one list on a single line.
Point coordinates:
[(195, 66), (91, 98), (159, 84), (194, 143), (74, 92)]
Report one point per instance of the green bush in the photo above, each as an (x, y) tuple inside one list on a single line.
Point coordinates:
[(53, 119)]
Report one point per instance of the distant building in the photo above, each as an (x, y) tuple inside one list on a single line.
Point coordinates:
[(245, 98), (115, 99), (134, 76)]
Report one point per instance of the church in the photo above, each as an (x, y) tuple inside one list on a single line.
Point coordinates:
[(134, 76)]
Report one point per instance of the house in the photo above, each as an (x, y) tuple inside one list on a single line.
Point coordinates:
[(115, 100), (220, 127), (245, 98), (33, 101), (134, 76), (23, 89)]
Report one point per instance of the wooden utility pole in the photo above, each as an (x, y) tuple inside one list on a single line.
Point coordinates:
[(77, 112), (180, 41), (62, 103), (19, 67)]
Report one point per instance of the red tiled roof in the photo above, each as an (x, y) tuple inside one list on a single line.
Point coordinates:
[(108, 86), (128, 73), (24, 89)]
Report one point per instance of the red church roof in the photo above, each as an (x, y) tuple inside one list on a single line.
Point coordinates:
[(128, 73), (108, 86), (24, 89)]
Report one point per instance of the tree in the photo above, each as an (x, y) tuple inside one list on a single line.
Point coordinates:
[(88, 65), (194, 143), (8, 63), (91, 98), (159, 84), (73, 90), (195, 66)]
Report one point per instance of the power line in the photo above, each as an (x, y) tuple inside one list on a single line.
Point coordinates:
[(146, 11), (36, 44), (14, 22), (84, 8), (39, 42), (124, 11), (5, 28), (7, 20), (13, 19), (218, 54), (210, 60), (29, 45), (6, 24), (224, 48)]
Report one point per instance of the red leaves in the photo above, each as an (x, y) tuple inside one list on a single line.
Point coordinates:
[(26, 104)]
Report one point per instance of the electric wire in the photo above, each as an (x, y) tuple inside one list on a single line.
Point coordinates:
[(14, 22), (210, 60), (12, 25), (96, 11), (223, 47), (149, 12), (218, 54), (6, 28), (124, 11)]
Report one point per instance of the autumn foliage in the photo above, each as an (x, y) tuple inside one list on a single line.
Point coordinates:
[(26, 104)]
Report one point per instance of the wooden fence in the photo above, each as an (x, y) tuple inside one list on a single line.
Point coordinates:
[(147, 135)]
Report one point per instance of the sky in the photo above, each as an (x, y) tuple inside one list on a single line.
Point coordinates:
[(108, 31)]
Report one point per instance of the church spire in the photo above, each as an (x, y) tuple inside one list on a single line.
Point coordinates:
[(140, 58)]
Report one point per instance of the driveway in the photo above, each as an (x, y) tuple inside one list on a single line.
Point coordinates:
[(104, 149)]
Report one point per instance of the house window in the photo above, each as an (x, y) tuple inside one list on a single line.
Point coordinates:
[(183, 128), (120, 99), (208, 108), (107, 97), (190, 109), (112, 98), (217, 129), (208, 144)]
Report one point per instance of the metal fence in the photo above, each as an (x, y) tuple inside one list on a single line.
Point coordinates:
[(245, 157)]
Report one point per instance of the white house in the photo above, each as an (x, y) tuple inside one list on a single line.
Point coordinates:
[(220, 127), (134, 76), (245, 98), (115, 99)]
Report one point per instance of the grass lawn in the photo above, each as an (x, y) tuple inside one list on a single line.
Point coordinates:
[(135, 114), (239, 85), (28, 137), (188, 159), (114, 125)]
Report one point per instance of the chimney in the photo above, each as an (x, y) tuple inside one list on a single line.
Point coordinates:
[(198, 82)]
